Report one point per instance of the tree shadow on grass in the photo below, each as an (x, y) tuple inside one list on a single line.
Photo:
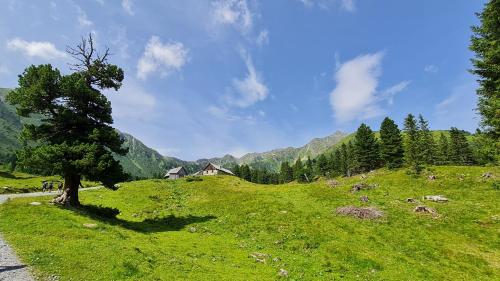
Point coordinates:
[(168, 223)]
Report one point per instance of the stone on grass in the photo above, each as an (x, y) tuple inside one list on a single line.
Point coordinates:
[(436, 198), (363, 198), (332, 183), (362, 186), (283, 273), (360, 212), (431, 177), (411, 200), (487, 175), (192, 229), (35, 203), (425, 209), (259, 257), (90, 225)]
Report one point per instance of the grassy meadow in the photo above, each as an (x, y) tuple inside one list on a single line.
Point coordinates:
[(17, 182), (223, 228)]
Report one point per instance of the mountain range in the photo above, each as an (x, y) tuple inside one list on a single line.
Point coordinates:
[(142, 161)]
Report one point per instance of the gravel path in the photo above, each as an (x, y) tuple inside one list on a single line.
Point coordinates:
[(11, 269)]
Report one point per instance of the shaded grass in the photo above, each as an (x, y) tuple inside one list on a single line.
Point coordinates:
[(207, 230)]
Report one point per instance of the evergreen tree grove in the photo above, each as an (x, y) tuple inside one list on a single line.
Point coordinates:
[(413, 157), (366, 149)]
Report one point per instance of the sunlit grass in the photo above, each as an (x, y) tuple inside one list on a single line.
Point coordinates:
[(208, 230)]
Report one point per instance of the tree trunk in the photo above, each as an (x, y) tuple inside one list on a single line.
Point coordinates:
[(69, 197)]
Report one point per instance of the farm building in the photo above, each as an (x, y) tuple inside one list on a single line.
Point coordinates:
[(176, 173), (212, 169)]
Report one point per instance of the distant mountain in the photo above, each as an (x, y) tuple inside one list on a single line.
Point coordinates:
[(271, 160), (144, 162), (140, 161)]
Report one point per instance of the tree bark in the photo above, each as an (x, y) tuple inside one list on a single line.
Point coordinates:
[(69, 197)]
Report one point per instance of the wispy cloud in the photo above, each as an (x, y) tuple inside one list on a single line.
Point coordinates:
[(132, 101), (251, 89), (161, 57), (128, 6), (83, 20), (388, 94), (431, 68), (233, 12), (354, 96), (263, 38), (348, 5), (40, 49)]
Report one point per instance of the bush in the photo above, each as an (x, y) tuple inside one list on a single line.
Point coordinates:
[(193, 178)]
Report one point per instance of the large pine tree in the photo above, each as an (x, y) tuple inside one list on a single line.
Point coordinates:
[(460, 151), (286, 172), (443, 150), (426, 143), (413, 156), (75, 138), (366, 149), (486, 44), (391, 144)]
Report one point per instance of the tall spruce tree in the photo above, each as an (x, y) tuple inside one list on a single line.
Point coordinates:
[(460, 151), (298, 171), (367, 149), (322, 167), (443, 151), (427, 143), (391, 144), (413, 157), (486, 44), (286, 172), (75, 138)]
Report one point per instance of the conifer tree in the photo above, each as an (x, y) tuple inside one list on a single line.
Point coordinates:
[(246, 173), (413, 157), (366, 149), (322, 168), (298, 171), (391, 144), (286, 172), (426, 141), (460, 152), (236, 170), (443, 157)]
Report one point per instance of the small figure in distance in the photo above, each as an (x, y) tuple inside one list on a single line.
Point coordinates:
[(60, 187), (44, 186), (51, 186)]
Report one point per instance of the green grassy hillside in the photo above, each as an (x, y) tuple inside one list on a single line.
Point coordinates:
[(222, 228)]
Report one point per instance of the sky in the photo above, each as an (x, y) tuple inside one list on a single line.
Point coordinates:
[(205, 78)]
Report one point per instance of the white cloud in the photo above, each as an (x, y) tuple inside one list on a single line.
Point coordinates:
[(233, 12), (263, 38), (431, 68), (132, 101), (388, 94), (44, 50), (83, 20), (354, 96), (348, 5), (128, 5), (251, 89), (262, 113), (163, 57)]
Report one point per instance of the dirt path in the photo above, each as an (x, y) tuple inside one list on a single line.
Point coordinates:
[(10, 266)]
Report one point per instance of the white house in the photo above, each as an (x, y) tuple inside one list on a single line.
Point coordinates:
[(212, 169), (176, 173)]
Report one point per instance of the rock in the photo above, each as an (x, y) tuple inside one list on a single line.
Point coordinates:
[(192, 229), (425, 209), (283, 273), (259, 257), (461, 177), (283, 212), (411, 200), (361, 186), (35, 203), (436, 198), (360, 212), (431, 177), (487, 175), (363, 198), (90, 225), (363, 176), (332, 183), (276, 259)]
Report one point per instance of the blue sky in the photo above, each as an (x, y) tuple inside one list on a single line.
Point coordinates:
[(206, 78)]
